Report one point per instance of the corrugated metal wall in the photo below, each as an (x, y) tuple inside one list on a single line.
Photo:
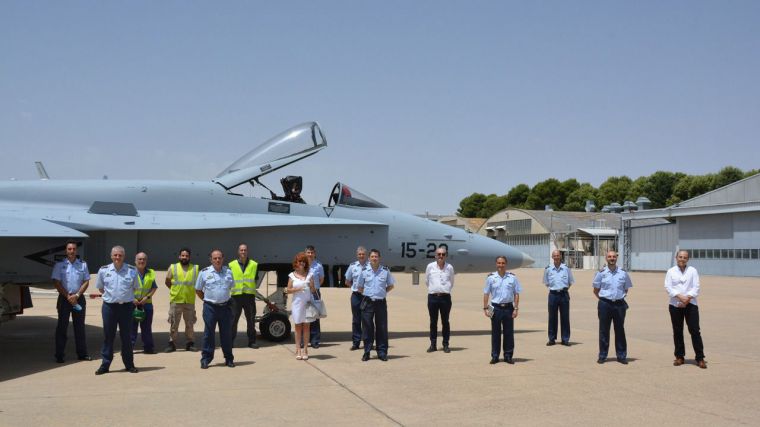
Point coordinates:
[(736, 235), (652, 247)]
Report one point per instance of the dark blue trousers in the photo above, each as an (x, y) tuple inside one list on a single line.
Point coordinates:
[(502, 325), (214, 314), (315, 331), (146, 326), (244, 303), (115, 314), (690, 313), (612, 312), (559, 301), (439, 304), (375, 325), (356, 318), (66, 310)]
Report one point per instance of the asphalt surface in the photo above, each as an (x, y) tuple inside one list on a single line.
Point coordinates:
[(546, 386)]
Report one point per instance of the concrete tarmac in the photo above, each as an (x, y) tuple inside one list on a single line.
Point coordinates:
[(546, 386)]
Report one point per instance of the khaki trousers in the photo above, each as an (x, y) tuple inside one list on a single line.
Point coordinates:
[(176, 313)]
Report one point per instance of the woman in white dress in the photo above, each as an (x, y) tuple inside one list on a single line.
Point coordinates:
[(301, 285)]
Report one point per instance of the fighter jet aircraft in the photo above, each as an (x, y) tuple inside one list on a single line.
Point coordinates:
[(159, 217)]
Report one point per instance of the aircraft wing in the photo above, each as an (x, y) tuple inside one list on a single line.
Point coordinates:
[(35, 227), (163, 220)]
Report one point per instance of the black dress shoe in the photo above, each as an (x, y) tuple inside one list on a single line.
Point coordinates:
[(253, 345), (315, 345), (190, 346), (204, 364), (431, 349), (170, 348), (85, 357), (509, 360), (383, 357), (365, 357), (494, 361), (102, 370), (354, 347), (446, 349), (622, 360), (230, 364), (550, 343), (601, 360), (59, 360), (151, 351), (132, 370), (566, 343)]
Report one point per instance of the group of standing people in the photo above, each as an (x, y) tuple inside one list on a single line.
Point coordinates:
[(228, 291)]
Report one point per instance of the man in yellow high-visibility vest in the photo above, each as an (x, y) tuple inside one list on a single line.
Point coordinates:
[(244, 294), (180, 279)]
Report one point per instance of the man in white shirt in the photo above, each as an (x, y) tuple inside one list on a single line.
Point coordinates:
[(682, 285), (439, 278)]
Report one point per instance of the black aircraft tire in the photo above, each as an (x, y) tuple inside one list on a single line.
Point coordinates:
[(275, 327)]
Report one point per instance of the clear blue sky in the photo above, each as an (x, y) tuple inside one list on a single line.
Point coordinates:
[(422, 102)]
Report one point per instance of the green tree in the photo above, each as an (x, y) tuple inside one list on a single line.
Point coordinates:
[(518, 195), (492, 205), (727, 175), (566, 188), (751, 172), (545, 193), (613, 190), (576, 201), (471, 205)]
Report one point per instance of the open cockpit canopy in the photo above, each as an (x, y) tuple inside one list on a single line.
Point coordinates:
[(288, 147)]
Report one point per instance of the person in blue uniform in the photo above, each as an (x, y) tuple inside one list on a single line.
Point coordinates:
[(318, 274), (611, 286), (214, 287), (501, 302), (71, 278), (558, 278), (374, 283), (352, 275), (117, 282)]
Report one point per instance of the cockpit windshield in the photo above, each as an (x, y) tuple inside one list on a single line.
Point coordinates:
[(290, 146), (345, 196)]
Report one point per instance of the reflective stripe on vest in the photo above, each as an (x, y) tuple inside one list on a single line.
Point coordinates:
[(183, 284), (245, 281), (145, 285)]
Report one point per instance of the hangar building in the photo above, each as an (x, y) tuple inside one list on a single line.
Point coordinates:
[(721, 230)]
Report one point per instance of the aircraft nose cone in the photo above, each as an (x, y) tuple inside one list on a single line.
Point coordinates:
[(527, 260)]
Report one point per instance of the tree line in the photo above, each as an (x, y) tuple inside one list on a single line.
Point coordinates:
[(661, 188)]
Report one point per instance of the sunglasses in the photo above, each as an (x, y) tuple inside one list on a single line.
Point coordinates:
[(440, 254)]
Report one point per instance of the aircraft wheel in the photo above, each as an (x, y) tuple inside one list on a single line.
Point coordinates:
[(275, 327)]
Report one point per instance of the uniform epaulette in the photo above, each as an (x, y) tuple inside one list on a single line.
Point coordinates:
[(207, 268), (384, 268), (492, 274), (131, 267), (548, 267), (104, 266)]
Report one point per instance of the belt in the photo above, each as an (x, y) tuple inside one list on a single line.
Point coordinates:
[(505, 305), (375, 300), (119, 303), (617, 301), (226, 303), (440, 294), (357, 293), (563, 291)]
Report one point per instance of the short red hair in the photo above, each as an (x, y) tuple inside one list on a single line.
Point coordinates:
[(301, 256)]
